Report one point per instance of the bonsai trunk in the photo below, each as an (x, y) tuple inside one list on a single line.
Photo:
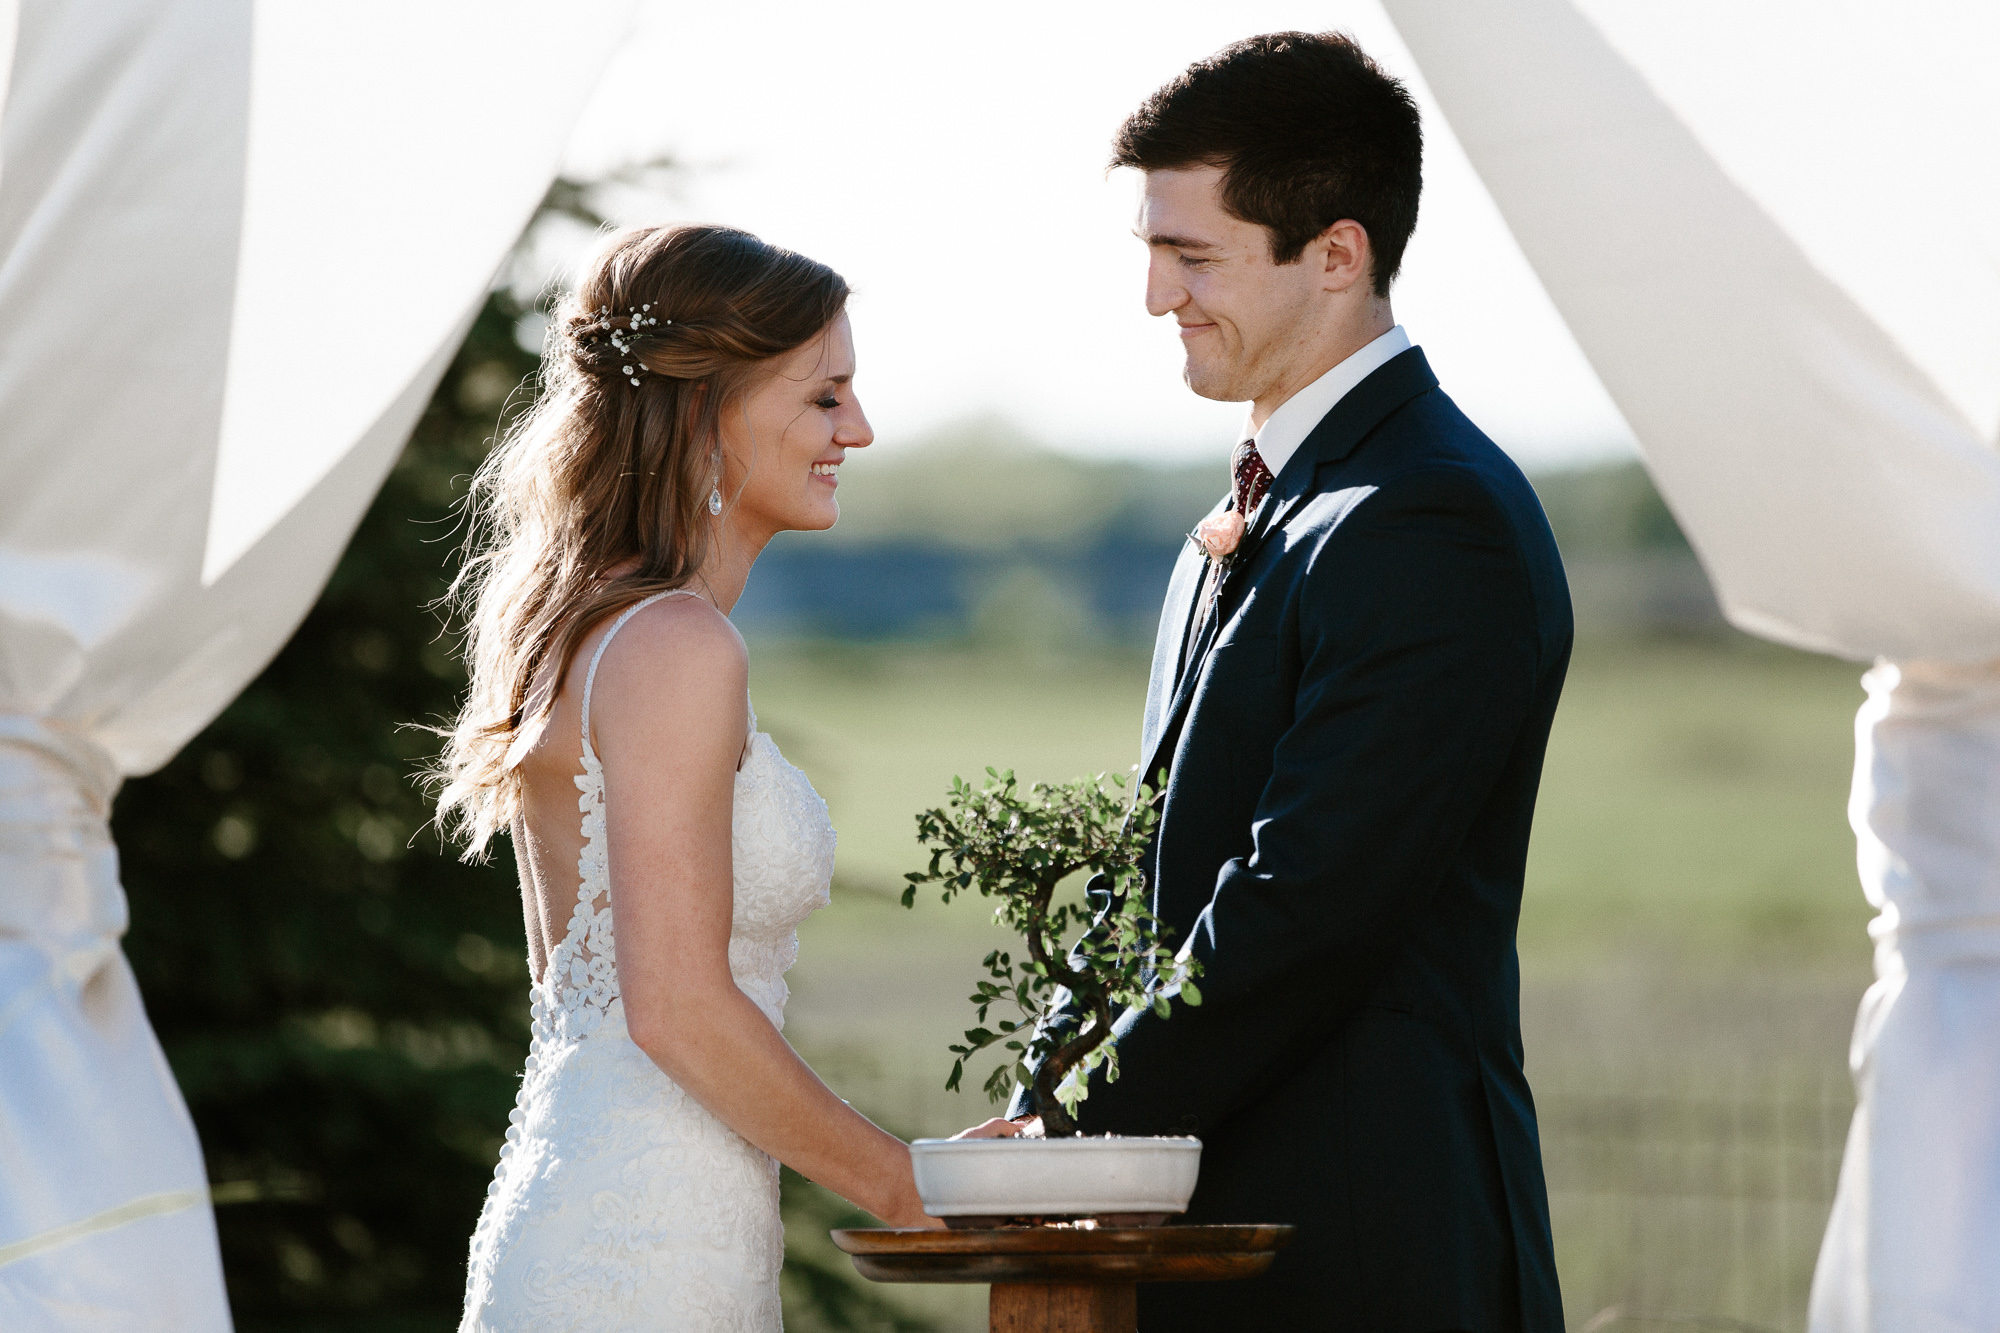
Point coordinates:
[(1057, 1122)]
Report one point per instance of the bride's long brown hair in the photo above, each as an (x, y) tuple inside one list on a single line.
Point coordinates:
[(602, 471)]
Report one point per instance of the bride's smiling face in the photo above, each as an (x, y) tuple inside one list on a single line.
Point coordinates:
[(782, 445)]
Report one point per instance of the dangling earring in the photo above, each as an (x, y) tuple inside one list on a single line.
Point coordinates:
[(715, 499)]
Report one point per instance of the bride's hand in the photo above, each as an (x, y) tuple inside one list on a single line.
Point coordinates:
[(911, 1213), (905, 1210), (1002, 1128), (908, 1212)]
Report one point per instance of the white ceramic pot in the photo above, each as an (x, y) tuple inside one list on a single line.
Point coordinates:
[(1132, 1181)]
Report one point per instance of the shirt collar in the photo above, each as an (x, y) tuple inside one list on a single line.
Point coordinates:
[(1287, 428)]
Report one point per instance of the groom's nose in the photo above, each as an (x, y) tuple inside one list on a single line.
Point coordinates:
[(1164, 292)]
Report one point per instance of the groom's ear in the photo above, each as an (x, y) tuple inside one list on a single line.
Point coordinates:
[(1344, 255)]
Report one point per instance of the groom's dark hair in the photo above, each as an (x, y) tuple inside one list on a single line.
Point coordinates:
[(1308, 131)]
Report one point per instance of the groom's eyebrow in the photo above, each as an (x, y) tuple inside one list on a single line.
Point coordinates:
[(1176, 242)]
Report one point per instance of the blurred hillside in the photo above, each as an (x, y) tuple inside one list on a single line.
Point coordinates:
[(982, 534)]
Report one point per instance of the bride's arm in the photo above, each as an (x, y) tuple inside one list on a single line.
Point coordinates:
[(668, 717)]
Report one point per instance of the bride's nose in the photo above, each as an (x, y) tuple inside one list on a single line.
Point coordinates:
[(851, 429)]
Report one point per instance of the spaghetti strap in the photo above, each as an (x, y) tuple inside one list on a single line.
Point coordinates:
[(590, 677)]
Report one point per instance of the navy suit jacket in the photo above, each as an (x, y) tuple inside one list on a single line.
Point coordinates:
[(1352, 755)]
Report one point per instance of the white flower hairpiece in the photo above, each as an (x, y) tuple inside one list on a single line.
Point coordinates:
[(638, 318)]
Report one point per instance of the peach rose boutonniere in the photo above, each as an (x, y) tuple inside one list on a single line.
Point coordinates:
[(1220, 535)]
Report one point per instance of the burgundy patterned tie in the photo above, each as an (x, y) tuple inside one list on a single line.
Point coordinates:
[(1253, 479)]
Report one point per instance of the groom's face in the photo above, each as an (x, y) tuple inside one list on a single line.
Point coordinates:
[(1242, 316)]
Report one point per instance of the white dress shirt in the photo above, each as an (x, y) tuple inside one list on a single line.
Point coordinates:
[(1286, 429)]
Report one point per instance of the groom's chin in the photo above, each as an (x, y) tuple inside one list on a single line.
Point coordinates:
[(1210, 385)]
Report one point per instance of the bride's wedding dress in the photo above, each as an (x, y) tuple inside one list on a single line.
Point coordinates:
[(619, 1203)]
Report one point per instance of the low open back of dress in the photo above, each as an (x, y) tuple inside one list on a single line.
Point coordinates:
[(619, 1202)]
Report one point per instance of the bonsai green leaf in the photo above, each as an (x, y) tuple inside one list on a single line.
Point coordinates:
[(1096, 957)]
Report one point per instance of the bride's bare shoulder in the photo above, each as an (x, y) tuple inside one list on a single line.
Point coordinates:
[(686, 625), (679, 657)]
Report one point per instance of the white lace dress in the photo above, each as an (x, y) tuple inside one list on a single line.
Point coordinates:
[(619, 1203)]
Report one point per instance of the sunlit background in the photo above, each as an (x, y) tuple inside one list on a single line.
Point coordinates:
[(950, 161)]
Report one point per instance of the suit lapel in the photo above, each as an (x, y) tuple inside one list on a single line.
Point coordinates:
[(1394, 383), (1176, 622)]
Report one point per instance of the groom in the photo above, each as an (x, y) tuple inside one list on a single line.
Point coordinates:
[(1350, 701)]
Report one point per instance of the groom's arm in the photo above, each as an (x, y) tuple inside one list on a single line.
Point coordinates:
[(1420, 659)]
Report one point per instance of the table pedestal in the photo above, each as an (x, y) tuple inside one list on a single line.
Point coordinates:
[(1063, 1307), (1064, 1279)]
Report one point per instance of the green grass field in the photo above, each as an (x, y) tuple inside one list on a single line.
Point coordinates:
[(1692, 935)]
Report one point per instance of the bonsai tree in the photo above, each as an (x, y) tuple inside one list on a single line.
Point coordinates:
[(1016, 847)]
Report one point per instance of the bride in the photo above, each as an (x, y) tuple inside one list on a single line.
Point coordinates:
[(698, 398)]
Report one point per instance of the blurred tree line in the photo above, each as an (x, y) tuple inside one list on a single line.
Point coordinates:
[(343, 1001), (1061, 552)]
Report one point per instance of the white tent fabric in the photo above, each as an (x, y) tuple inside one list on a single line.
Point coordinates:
[(1774, 227), (239, 242), (1916, 1221)]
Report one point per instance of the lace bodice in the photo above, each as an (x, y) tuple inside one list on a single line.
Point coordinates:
[(782, 849), (619, 1202)]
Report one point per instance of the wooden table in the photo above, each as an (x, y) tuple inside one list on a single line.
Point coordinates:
[(1064, 1279)]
